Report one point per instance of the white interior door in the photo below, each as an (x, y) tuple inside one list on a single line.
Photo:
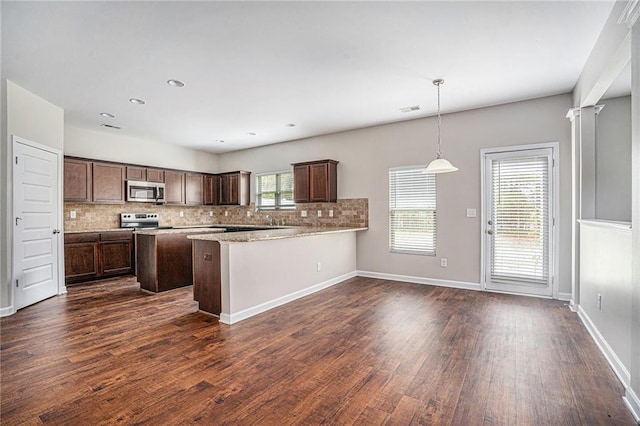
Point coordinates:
[(519, 219), (36, 235)]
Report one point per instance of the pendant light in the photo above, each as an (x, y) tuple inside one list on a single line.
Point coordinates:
[(439, 165)]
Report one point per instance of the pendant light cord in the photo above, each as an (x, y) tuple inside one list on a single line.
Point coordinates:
[(439, 82)]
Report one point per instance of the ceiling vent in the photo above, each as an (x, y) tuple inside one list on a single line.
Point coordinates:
[(410, 109), (111, 126)]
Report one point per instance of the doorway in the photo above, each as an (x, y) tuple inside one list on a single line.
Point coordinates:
[(518, 212), (37, 240)]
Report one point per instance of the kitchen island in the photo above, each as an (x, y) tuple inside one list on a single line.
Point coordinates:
[(238, 275)]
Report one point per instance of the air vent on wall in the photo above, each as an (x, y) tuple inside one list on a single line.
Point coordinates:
[(111, 126), (410, 109)]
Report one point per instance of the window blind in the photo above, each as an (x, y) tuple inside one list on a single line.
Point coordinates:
[(274, 190), (520, 220), (412, 211)]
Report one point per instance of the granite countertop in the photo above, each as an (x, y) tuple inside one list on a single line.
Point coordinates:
[(82, 231), (270, 234), (186, 230)]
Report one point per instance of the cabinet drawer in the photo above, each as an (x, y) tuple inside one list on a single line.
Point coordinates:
[(83, 237), (116, 235)]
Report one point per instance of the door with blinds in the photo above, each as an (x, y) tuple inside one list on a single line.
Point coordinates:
[(519, 221)]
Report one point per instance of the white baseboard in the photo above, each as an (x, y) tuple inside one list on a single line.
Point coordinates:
[(5, 312), (632, 402), (255, 310), (566, 297), (420, 280), (609, 354)]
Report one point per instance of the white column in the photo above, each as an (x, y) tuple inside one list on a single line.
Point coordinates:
[(574, 116)]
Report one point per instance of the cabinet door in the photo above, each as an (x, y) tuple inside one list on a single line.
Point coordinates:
[(223, 189), (301, 184), (116, 257), (136, 173), (108, 183), (194, 189), (318, 182), (80, 261), (155, 175), (233, 196), (77, 180), (174, 187), (210, 190)]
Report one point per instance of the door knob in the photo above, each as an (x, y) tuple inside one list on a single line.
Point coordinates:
[(56, 231), (490, 232)]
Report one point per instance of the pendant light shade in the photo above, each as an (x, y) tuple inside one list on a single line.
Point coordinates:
[(439, 165)]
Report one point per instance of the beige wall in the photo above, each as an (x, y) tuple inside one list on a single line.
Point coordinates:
[(366, 155), (613, 160), (109, 146), (33, 118)]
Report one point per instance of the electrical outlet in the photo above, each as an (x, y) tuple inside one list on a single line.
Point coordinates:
[(330, 213), (210, 214), (319, 213), (248, 213), (181, 214), (599, 302), (72, 214), (443, 262), (318, 266), (303, 213), (471, 213), (226, 213)]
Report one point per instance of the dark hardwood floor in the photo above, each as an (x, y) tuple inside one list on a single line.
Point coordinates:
[(363, 352)]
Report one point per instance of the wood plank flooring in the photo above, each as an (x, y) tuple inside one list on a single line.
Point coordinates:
[(366, 351)]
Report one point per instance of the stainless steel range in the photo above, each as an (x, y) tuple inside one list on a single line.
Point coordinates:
[(141, 221)]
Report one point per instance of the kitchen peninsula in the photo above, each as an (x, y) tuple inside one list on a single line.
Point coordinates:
[(238, 275)]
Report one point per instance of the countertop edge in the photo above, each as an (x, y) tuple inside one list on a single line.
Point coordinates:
[(268, 235)]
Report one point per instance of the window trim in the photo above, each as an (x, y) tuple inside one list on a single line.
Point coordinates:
[(278, 192), (435, 213)]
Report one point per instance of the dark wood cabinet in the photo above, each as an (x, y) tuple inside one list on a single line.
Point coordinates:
[(164, 261), (211, 184), (174, 187), (145, 174), (194, 186), (108, 183), (77, 180), (93, 255), (233, 188), (207, 288), (316, 181)]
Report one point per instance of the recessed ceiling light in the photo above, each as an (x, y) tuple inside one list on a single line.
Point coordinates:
[(410, 108), (251, 134), (175, 83), (291, 125), (219, 141), (106, 114), (137, 101)]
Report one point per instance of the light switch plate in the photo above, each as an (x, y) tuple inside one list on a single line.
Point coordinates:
[(72, 214), (181, 214), (330, 213), (319, 213), (303, 213), (471, 213)]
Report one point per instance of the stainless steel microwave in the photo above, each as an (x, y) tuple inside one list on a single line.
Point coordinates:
[(145, 192)]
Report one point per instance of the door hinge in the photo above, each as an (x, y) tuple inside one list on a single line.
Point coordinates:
[(553, 162), (16, 159), (16, 283)]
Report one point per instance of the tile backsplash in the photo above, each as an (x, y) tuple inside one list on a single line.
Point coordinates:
[(351, 212)]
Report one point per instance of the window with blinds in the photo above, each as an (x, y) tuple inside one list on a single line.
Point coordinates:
[(274, 191), (520, 220), (412, 211)]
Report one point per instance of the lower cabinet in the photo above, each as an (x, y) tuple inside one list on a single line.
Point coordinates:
[(163, 261), (94, 255)]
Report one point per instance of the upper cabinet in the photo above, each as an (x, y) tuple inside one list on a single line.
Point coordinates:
[(315, 181), (108, 183), (194, 185), (77, 180), (211, 187), (233, 188), (174, 187), (145, 174)]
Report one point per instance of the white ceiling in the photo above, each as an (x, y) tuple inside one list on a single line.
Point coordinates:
[(256, 66)]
